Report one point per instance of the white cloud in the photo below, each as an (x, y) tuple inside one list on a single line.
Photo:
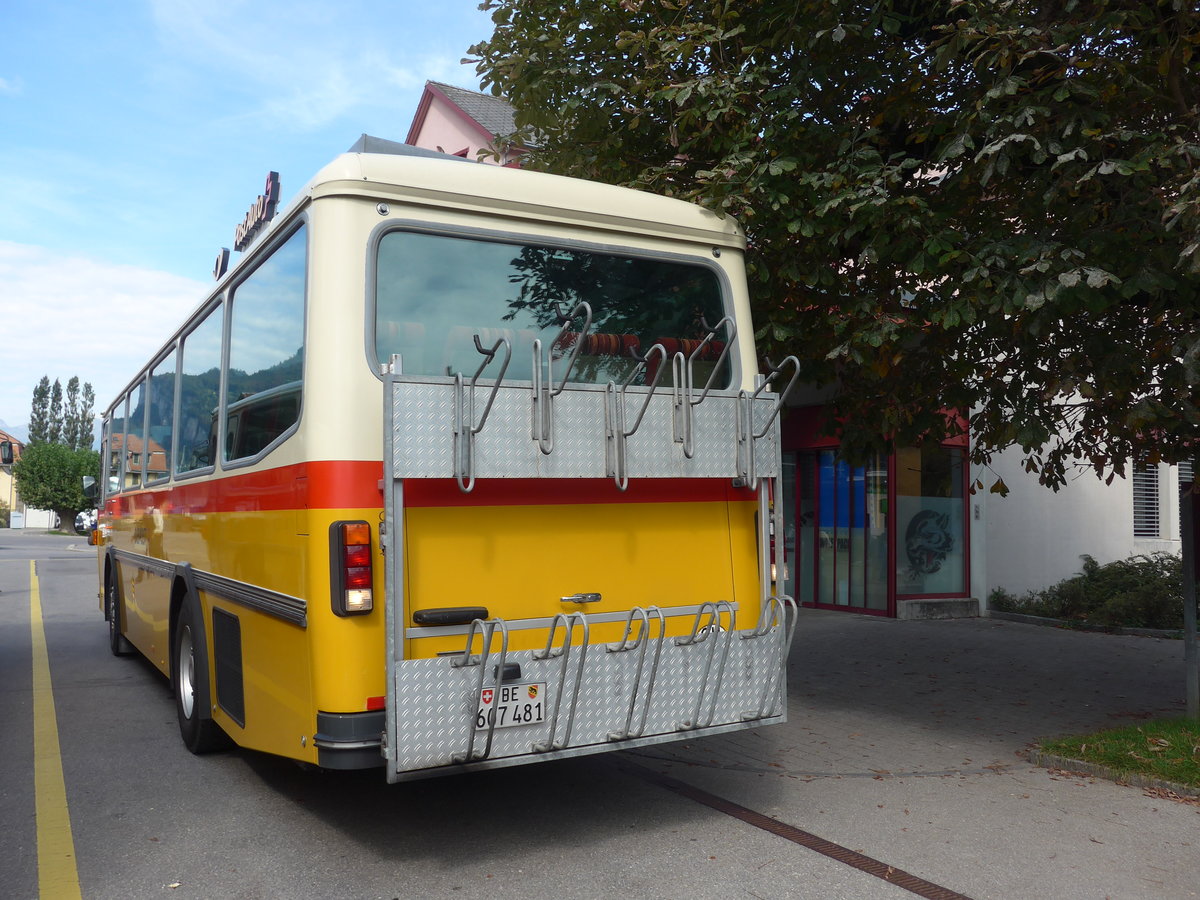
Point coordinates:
[(10, 87), (62, 316)]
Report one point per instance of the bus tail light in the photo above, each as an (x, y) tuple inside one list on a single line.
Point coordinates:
[(351, 569)]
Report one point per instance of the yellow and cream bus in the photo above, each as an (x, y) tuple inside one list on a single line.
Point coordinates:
[(458, 467)]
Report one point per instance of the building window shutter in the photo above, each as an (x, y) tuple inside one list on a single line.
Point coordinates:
[(1145, 502), (1186, 473)]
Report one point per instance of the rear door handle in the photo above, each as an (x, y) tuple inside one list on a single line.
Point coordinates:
[(582, 598)]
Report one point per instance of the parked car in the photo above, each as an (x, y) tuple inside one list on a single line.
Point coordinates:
[(85, 522)]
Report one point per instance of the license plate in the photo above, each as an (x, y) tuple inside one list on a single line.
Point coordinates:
[(512, 704)]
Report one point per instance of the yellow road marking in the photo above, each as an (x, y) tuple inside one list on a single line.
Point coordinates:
[(57, 875)]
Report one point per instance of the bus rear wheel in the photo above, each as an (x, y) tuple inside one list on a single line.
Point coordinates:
[(117, 642), (189, 678)]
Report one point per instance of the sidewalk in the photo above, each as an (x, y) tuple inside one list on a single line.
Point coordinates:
[(906, 741)]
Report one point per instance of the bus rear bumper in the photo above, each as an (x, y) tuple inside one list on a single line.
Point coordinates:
[(350, 740), (467, 712)]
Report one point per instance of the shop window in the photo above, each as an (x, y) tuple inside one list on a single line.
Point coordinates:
[(837, 535), (930, 521)]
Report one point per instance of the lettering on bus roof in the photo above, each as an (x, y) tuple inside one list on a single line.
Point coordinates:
[(260, 213)]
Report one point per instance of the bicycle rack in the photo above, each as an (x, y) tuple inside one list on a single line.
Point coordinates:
[(682, 377), (543, 390), (699, 635), (640, 644), (615, 433), (775, 616), (465, 427), (568, 620), (488, 630), (746, 435)]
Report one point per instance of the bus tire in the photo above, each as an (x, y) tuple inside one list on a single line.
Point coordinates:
[(189, 682), (117, 642)]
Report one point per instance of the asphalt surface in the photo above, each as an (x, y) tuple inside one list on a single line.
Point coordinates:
[(907, 741)]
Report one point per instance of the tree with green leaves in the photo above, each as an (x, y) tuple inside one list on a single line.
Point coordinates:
[(39, 414), (991, 207), (70, 435), (68, 420), (79, 415), (55, 431), (50, 476), (86, 425), (50, 472)]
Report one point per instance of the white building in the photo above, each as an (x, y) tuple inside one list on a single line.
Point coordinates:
[(1034, 537)]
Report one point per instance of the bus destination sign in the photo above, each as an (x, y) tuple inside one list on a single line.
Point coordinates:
[(261, 213)]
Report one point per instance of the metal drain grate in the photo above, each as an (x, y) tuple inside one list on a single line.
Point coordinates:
[(852, 858)]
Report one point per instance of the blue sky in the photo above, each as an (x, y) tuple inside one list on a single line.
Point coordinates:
[(135, 135)]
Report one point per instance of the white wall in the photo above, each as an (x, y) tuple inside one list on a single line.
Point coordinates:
[(1034, 537), (39, 518)]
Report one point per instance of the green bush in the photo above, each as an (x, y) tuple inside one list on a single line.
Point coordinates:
[(1144, 591)]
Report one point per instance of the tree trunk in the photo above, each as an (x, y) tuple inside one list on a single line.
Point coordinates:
[(66, 520), (1189, 533)]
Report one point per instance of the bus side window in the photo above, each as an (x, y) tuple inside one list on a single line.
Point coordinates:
[(161, 421), (266, 352), (112, 442), (251, 424), (199, 387), (134, 445)]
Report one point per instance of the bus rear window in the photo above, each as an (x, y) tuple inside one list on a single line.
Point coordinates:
[(434, 293)]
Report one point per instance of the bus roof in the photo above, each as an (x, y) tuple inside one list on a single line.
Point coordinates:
[(378, 168)]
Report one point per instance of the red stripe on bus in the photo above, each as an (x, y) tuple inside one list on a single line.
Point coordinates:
[(349, 484), (425, 492), (324, 484)]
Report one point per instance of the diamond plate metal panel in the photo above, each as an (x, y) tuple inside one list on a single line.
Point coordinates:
[(436, 701), (423, 435)]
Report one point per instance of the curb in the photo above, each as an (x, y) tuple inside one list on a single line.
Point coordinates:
[(1168, 633), (1050, 761)]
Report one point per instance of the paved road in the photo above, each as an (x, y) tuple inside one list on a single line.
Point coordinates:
[(906, 740), (904, 743)]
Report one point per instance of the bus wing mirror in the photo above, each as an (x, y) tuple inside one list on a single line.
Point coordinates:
[(90, 488)]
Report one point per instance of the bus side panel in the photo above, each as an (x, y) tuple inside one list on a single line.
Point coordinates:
[(273, 672), (348, 652), (138, 528), (147, 605), (267, 655)]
